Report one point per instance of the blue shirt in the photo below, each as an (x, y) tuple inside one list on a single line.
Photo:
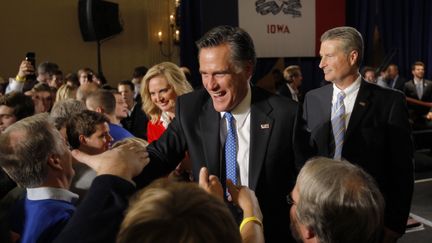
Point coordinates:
[(118, 133), (47, 211)]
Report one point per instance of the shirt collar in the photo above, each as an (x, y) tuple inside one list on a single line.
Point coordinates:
[(416, 81), (242, 110), (291, 89), (43, 193), (131, 110), (350, 89), (164, 118)]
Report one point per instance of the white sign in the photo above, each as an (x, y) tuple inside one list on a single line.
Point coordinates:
[(280, 28)]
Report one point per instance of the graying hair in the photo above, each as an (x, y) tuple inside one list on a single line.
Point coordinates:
[(239, 41), (338, 197), (351, 39), (63, 110), (25, 147)]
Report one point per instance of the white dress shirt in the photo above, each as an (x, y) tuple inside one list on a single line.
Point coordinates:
[(293, 93), (241, 116), (350, 97), (419, 83)]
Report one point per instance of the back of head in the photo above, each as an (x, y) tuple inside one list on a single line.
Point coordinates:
[(103, 99), (49, 68), (41, 87), (63, 110), (239, 41), (66, 91), (351, 39), (25, 148), (21, 104), (170, 211), (339, 201), (72, 79)]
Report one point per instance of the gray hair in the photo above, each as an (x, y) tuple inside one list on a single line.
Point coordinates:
[(63, 110), (239, 41), (25, 148), (338, 197), (351, 39)]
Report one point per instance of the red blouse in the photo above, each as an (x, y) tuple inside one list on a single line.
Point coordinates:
[(154, 130)]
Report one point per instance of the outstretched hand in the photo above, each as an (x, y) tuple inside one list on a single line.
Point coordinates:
[(246, 199), (210, 183), (126, 160)]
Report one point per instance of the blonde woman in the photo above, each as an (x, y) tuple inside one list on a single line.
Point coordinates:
[(159, 90), (66, 91)]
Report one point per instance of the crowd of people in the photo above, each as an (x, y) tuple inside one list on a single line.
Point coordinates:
[(84, 162)]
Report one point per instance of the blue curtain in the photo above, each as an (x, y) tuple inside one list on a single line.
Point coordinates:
[(191, 30), (405, 27), (361, 14)]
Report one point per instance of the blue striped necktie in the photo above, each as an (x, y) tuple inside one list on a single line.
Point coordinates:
[(231, 149), (338, 124)]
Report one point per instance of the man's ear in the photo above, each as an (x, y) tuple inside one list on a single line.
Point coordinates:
[(249, 67), (99, 110), (54, 162), (353, 57), (307, 232), (82, 139)]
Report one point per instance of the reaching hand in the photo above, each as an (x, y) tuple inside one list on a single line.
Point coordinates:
[(126, 160), (210, 184), (246, 199)]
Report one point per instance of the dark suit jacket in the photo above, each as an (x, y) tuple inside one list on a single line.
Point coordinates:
[(411, 91), (136, 123), (98, 217), (271, 163), (378, 139), (399, 83), (284, 91)]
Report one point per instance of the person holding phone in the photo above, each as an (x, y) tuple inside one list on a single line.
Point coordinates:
[(26, 77)]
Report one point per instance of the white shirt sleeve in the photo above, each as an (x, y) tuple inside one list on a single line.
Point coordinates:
[(14, 86)]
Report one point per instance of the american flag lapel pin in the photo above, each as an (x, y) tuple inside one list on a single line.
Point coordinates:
[(265, 126)]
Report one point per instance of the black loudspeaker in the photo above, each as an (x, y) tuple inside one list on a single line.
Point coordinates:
[(98, 19)]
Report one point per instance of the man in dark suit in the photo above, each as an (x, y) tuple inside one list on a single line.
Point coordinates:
[(420, 89), (136, 121), (362, 123), (293, 77), (263, 128), (395, 81)]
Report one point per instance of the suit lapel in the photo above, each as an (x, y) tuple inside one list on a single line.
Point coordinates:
[(361, 105), (426, 89), (209, 121), (261, 125)]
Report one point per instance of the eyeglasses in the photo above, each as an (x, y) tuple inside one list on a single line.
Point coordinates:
[(290, 200)]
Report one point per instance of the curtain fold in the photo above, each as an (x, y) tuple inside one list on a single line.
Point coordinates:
[(405, 28)]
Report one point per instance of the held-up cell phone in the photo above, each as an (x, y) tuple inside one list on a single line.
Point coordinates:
[(31, 57)]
